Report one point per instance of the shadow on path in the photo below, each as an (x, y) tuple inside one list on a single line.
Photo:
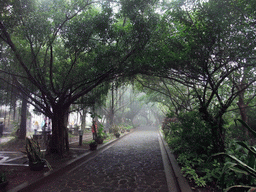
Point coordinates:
[(134, 163)]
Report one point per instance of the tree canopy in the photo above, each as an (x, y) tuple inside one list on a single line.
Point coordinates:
[(62, 50), (56, 53)]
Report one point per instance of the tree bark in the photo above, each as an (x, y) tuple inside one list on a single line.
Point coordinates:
[(59, 140), (242, 108), (83, 119), (23, 122), (216, 125)]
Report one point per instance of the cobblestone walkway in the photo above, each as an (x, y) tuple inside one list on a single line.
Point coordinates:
[(132, 164)]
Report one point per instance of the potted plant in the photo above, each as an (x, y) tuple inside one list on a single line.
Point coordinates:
[(116, 130), (93, 145), (99, 139), (100, 134), (117, 134), (3, 180), (128, 128), (122, 130), (35, 157), (105, 135)]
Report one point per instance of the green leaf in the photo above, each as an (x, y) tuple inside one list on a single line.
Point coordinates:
[(249, 148), (243, 166), (247, 126)]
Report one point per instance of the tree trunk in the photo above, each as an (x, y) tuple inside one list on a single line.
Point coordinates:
[(243, 112), (218, 137), (14, 110), (83, 119), (66, 141), (23, 122), (241, 88), (112, 111), (216, 125), (59, 131)]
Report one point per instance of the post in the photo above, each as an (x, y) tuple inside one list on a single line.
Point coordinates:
[(80, 137)]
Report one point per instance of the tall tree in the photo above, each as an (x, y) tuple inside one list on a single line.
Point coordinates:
[(205, 45), (219, 50), (65, 49)]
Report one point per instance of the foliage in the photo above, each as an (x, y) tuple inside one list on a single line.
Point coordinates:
[(93, 143), (34, 153), (95, 115), (33, 150), (191, 174), (63, 50), (188, 137), (169, 93), (121, 105), (127, 127), (201, 40), (242, 161), (202, 170), (100, 132), (202, 52), (117, 134), (116, 129), (2, 177), (192, 132)]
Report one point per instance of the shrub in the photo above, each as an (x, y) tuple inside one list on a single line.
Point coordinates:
[(189, 137), (116, 129), (241, 160), (191, 133)]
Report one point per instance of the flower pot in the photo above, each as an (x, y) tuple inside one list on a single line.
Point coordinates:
[(93, 147), (36, 166), (99, 140)]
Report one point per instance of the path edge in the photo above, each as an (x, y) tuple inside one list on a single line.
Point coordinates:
[(29, 186), (181, 181)]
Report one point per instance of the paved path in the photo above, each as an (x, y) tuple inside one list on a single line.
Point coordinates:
[(132, 164), (19, 158), (5, 139)]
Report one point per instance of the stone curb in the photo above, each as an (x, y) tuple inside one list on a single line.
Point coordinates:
[(29, 186), (181, 181)]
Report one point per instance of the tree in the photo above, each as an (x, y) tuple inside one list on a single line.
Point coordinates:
[(203, 46), (65, 49), (218, 50), (175, 96), (116, 103)]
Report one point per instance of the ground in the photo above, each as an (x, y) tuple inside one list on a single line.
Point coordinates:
[(17, 175)]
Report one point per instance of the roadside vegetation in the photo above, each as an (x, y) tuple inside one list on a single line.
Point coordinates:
[(190, 140)]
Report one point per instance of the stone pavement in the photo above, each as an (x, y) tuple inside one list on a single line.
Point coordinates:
[(19, 158), (133, 163), (5, 139)]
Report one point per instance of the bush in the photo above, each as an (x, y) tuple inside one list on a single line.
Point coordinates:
[(241, 160), (190, 133), (189, 137), (116, 129)]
